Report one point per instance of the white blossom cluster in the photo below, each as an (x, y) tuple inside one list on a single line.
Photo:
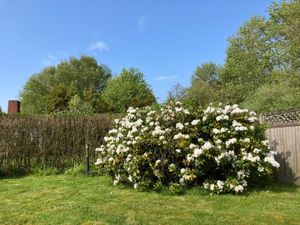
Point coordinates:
[(170, 145)]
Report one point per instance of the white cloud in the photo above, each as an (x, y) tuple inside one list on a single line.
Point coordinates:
[(142, 21), (166, 77), (98, 46)]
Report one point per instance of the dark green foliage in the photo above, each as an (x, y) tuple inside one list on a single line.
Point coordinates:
[(1, 112), (58, 99), (41, 142), (12, 170), (51, 89)]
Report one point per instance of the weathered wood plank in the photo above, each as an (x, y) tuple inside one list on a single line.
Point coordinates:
[(286, 141)]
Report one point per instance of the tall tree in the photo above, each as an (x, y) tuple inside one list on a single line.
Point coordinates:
[(57, 84), (205, 85), (207, 72), (200, 94), (264, 51), (248, 60), (285, 30), (128, 89)]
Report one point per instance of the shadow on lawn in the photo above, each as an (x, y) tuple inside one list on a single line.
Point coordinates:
[(271, 186), (11, 172), (275, 187)]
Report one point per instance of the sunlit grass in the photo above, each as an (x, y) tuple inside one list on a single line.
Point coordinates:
[(93, 200)]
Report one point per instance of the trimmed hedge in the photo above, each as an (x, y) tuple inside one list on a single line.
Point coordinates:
[(27, 142)]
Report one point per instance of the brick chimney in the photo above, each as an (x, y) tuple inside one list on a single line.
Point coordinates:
[(13, 106)]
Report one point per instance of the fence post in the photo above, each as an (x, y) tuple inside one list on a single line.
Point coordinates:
[(87, 159), (261, 118)]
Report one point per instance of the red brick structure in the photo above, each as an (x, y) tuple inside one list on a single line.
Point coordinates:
[(13, 106)]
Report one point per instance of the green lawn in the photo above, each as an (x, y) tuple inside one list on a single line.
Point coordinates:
[(93, 200)]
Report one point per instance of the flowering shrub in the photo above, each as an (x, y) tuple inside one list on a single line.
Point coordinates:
[(221, 148)]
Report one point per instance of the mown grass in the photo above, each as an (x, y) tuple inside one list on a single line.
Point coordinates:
[(63, 199)]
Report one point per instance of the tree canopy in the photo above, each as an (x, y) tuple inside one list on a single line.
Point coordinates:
[(51, 89), (262, 65), (263, 51), (273, 97), (128, 89), (206, 72)]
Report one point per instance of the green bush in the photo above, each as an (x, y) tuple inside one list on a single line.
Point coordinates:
[(219, 148), (274, 97)]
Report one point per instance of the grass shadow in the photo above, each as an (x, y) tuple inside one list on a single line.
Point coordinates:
[(9, 177), (275, 187)]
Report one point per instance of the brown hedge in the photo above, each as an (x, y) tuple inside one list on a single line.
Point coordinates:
[(50, 141)]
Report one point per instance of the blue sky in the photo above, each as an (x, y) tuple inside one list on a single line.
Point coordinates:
[(165, 39)]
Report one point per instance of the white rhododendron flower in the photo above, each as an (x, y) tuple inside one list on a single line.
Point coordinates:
[(216, 131), (230, 142), (220, 184), (179, 126), (222, 117), (207, 146), (197, 152), (101, 149), (195, 122), (252, 119), (246, 140), (239, 188), (180, 135), (239, 111), (98, 162), (270, 159), (260, 169), (192, 146)]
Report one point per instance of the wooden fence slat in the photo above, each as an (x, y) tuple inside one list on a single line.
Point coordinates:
[(286, 141)]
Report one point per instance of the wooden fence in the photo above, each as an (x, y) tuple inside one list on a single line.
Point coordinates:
[(283, 134)]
